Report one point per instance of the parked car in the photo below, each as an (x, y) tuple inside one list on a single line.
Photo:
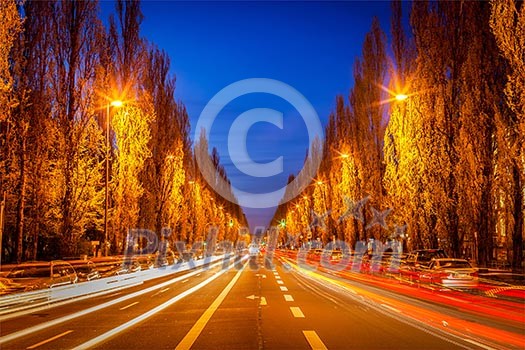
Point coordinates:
[(423, 257), (108, 266), (38, 275), (87, 271), (418, 260), (8, 286), (456, 273), (388, 263), (169, 258)]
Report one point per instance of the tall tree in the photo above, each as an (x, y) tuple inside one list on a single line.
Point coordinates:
[(507, 22), (369, 113), (132, 132), (73, 61), (9, 32)]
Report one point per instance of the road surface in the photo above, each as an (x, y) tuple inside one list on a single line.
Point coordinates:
[(278, 307)]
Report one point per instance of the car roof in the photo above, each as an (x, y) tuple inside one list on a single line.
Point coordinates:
[(450, 259), (427, 250)]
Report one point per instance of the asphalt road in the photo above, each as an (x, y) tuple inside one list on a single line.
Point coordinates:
[(249, 308)]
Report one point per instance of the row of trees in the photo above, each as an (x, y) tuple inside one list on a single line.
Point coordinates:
[(447, 156), (60, 69)]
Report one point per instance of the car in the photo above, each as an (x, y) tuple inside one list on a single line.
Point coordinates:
[(87, 271), (169, 258), (387, 263), (7, 286), (418, 260), (315, 254), (423, 257), (254, 250), (39, 275), (336, 255), (451, 273), (108, 266)]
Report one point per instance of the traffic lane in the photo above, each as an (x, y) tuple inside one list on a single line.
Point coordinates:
[(235, 324), (280, 328), (61, 309), (470, 328), (505, 315), (167, 328), (338, 320), (88, 326), (451, 303), (355, 325)]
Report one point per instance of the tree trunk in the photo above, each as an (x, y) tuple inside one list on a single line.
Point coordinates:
[(20, 206), (517, 234), (485, 223)]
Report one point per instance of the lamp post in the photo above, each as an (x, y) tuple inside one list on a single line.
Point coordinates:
[(2, 212), (115, 103)]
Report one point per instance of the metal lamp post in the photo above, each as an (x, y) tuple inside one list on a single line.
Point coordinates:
[(115, 103)]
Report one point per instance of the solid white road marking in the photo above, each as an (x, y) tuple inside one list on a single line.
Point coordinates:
[(288, 297), (296, 311), (197, 328), (160, 291), (263, 301), (283, 289), (130, 305), (313, 339), (112, 295), (112, 332), (44, 325), (49, 340)]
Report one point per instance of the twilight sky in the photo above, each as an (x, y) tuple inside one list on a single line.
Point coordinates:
[(310, 46)]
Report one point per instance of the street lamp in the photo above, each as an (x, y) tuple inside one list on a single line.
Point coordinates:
[(401, 97), (116, 103)]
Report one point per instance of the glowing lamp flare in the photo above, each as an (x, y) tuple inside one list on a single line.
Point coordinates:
[(117, 103), (401, 97)]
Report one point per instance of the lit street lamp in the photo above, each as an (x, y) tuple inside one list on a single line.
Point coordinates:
[(115, 103), (401, 97)]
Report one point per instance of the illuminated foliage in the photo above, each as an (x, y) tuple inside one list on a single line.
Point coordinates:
[(507, 22), (9, 29), (131, 125)]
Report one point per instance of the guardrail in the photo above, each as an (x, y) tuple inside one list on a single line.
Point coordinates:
[(11, 303)]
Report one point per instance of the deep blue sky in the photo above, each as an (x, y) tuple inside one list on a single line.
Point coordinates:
[(308, 45)]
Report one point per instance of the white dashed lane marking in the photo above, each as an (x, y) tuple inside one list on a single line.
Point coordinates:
[(130, 305), (283, 289)]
